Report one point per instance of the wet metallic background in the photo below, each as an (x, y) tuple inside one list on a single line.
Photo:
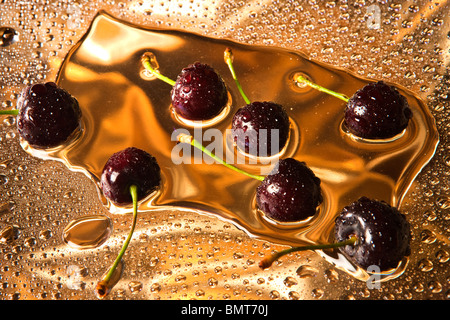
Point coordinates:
[(180, 255)]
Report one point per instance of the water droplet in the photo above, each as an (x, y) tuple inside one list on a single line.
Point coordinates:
[(317, 293), (9, 233), (443, 202), (442, 256), (447, 160), (180, 278), (293, 295), (425, 265), (418, 287), (427, 236), (155, 287), (199, 293), (135, 286), (87, 232), (274, 294), (3, 179), (45, 234), (153, 261), (7, 207), (212, 282), (331, 275), (29, 242), (4, 164), (289, 282), (434, 286), (306, 271), (430, 215), (8, 36)]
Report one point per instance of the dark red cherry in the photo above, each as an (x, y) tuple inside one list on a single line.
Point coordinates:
[(383, 234), (199, 93), (131, 166), (260, 127), (377, 111), (47, 115), (291, 192)]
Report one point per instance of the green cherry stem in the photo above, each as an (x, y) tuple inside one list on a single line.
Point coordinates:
[(148, 66), (184, 138), (267, 262), (322, 89), (228, 57), (105, 285), (13, 112)]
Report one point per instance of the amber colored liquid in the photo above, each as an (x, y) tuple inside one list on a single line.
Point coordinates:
[(122, 107)]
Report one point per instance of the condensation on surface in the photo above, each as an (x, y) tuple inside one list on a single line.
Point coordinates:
[(181, 255)]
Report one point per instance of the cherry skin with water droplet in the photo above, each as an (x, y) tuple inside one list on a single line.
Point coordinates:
[(259, 124), (377, 111), (199, 93), (291, 192), (47, 115), (130, 166), (383, 233)]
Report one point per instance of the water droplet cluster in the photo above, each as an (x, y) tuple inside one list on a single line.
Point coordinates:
[(182, 255)]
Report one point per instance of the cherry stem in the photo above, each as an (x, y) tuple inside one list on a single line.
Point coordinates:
[(322, 89), (228, 57), (148, 66), (105, 285), (189, 139), (13, 112), (267, 262)]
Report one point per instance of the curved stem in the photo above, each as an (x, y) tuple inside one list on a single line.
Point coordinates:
[(13, 112), (148, 66), (189, 139), (322, 89), (267, 262), (228, 57), (104, 286)]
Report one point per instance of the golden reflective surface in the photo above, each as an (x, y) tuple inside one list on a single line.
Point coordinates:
[(182, 254)]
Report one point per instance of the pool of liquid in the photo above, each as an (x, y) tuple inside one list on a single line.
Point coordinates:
[(122, 106)]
